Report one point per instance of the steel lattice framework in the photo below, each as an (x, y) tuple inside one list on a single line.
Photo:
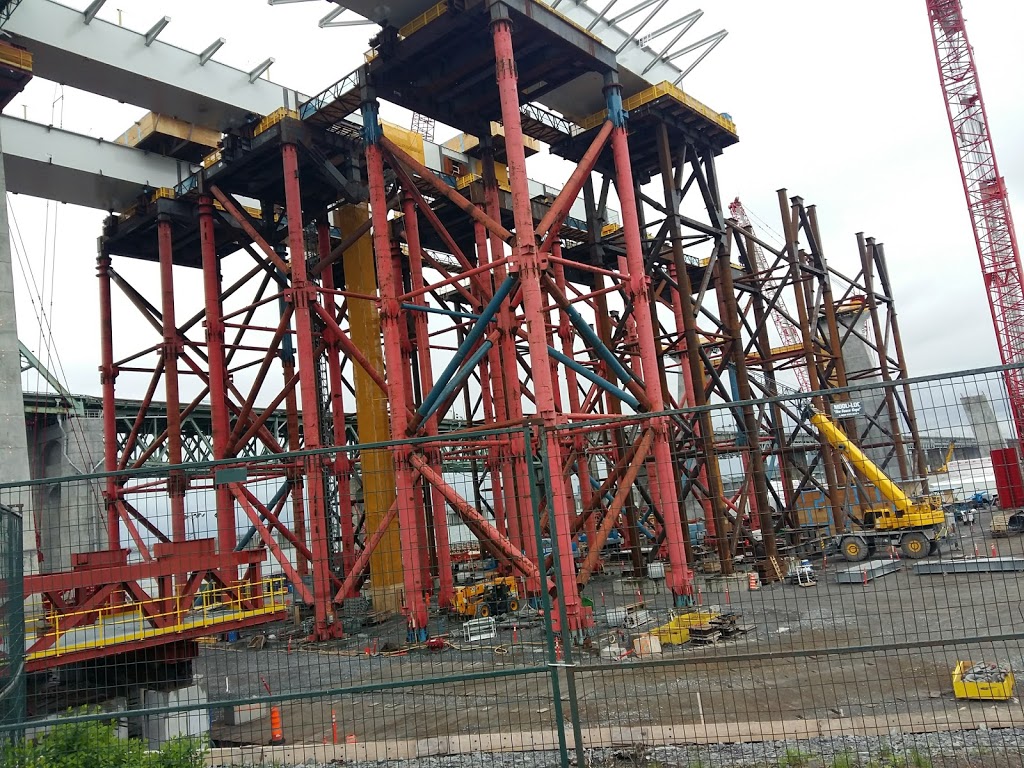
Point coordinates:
[(465, 291), (987, 197)]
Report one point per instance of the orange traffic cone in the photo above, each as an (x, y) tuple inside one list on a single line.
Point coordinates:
[(276, 732)]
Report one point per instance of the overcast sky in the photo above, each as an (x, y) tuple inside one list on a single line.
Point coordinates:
[(837, 103)]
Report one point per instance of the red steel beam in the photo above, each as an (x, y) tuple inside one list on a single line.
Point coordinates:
[(342, 460), (454, 196), (108, 375), (426, 371), (526, 258), (413, 550), (176, 482), (218, 376), (303, 296), (243, 221), (662, 479), (466, 511)]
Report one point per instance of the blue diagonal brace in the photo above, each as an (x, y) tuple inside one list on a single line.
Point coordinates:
[(474, 335), (459, 378), (600, 381), (594, 341)]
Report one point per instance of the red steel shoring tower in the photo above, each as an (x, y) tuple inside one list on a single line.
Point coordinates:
[(987, 198), (530, 288)]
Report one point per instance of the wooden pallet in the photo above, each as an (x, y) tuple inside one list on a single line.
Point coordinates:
[(705, 634), (729, 625)]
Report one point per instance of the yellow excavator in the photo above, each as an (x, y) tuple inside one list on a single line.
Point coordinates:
[(916, 526)]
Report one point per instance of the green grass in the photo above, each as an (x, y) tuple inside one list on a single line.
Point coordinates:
[(845, 760), (95, 744), (794, 758)]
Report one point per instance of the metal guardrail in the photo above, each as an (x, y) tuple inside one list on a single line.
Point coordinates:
[(133, 621)]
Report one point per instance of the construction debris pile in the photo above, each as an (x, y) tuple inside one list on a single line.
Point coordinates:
[(984, 672)]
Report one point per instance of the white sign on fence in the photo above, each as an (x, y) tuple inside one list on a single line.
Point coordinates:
[(846, 410)]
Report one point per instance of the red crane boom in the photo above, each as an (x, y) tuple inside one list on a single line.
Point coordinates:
[(985, 189)]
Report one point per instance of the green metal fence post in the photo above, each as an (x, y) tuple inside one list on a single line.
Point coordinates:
[(566, 662), (549, 632)]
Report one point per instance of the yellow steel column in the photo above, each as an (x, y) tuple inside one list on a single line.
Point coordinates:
[(378, 471)]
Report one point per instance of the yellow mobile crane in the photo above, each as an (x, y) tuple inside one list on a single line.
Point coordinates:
[(945, 462), (914, 525)]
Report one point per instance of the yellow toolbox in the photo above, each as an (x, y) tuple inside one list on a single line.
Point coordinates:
[(985, 690), (673, 633), (696, 618)]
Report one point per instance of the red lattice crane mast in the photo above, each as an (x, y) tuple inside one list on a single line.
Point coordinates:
[(789, 333), (987, 198)]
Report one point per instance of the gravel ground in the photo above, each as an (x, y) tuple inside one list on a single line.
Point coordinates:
[(957, 749)]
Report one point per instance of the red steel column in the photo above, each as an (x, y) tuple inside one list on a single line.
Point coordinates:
[(342, 460), (226, 535), (515, 474), (525, 259), (494, 405), (171, 350), (291, 409), (437, 501), (573, 392), (663, 480), (108, 375), (302, 295), (413, 550), (419, 507)]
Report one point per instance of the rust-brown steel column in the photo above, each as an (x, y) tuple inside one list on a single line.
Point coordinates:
[(727, 295), (866, 248), (908, 395), (707, 439), (835, 343), (797, 280)]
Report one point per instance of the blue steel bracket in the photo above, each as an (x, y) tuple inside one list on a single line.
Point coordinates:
[(373, 131), (613, 99)]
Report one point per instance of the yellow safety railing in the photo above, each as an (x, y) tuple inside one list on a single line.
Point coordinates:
[(18, 58), (213, 157), (256, 213), (273, 119), (648, 95), (117, 625), (165, 192), (423, 19)]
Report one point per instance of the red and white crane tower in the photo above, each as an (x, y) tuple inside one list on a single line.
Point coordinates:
[(987, 198)]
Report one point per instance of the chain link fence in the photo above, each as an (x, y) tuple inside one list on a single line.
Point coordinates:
[(12, 625), (778, 643)]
